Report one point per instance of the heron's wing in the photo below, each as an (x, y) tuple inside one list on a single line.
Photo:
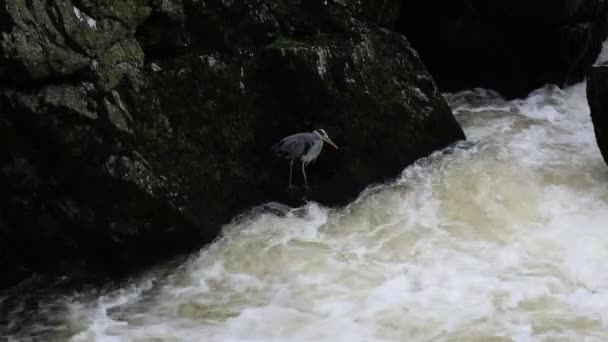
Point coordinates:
[(294, 146)]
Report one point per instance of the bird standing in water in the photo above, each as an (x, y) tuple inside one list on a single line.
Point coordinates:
[(303, 146)]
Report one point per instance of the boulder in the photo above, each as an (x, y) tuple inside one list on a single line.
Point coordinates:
[(132, 130), (510, 46), (597, 96)]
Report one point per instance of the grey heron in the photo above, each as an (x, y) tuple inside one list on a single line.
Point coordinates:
[(303, 146)]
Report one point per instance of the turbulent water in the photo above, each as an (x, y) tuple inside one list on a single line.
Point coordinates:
[(503, 238)]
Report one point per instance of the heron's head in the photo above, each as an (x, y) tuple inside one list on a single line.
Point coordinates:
[(323, 135)]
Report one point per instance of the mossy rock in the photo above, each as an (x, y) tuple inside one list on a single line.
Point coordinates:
[(117, 151)]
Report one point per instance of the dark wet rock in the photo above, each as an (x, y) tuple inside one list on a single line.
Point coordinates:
[(597, 96), (165, 30), (133, 130), (510, 46), (369, 91), (59, 39)]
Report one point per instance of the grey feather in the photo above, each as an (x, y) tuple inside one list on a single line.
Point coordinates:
[(303, 146), (295, 146)]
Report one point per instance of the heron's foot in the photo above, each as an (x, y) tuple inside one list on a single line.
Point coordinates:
[(291, 187), (307, 188)]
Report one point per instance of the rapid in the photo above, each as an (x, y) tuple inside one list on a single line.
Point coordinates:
[(500, 238)]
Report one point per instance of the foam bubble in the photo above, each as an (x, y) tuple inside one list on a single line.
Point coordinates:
[(501, 239)]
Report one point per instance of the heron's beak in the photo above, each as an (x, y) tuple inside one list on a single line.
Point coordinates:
[(327, 140)]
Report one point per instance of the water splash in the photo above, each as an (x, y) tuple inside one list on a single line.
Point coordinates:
[(501, 238)]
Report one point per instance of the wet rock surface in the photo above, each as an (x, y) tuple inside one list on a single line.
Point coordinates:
[(513, 47), (131, 130), (597, 96)]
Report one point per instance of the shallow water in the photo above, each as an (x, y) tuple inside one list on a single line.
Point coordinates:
[(504, 238)]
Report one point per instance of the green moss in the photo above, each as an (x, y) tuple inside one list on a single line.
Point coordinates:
[(287, 42)]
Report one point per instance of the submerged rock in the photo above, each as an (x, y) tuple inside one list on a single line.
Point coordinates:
[(117, 151), (512, 46), (597, 95)]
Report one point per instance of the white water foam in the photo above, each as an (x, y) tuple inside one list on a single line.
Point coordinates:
[(603, 57), (503, 239)]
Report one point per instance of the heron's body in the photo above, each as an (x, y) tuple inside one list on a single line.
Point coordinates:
[(303, 146), (313, 152)]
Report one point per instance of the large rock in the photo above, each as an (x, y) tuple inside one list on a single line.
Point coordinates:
[(116, 151), (512, 46), (597, 96)]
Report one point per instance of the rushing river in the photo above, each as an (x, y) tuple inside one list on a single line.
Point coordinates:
[(503, 238)]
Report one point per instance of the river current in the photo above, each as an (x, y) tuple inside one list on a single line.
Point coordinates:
[(501, 238)]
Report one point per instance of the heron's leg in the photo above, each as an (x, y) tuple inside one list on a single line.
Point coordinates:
[(290, 167), (304, 173)]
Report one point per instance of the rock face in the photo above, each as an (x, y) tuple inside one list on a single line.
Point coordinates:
[(512, 46), (597, 96), (131, 130)]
